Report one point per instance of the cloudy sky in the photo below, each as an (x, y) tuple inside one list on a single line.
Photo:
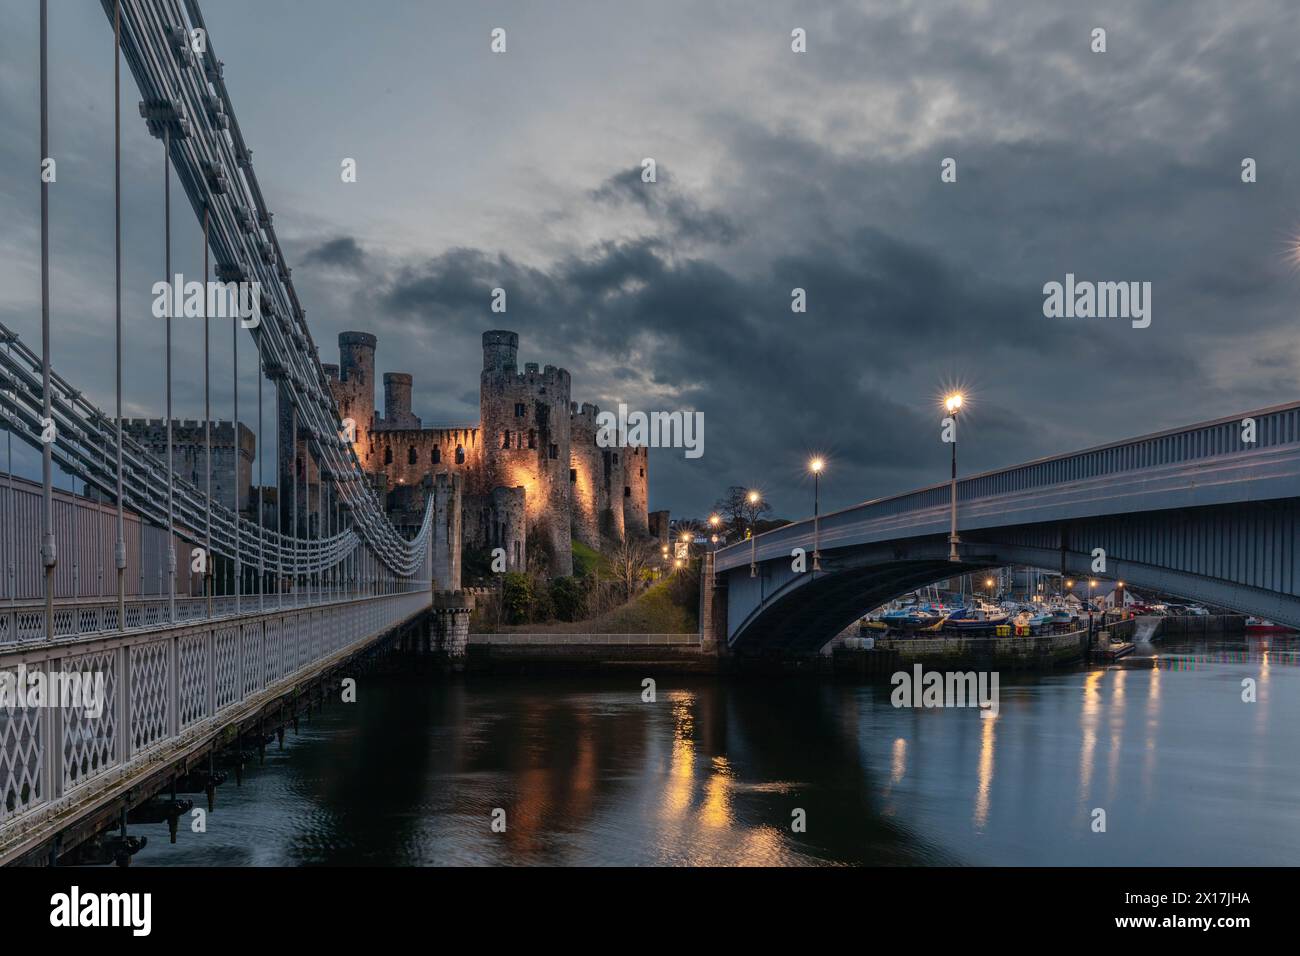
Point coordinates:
[(776, 170)]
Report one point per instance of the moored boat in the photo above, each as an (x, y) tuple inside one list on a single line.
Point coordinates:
[(1257, 625)]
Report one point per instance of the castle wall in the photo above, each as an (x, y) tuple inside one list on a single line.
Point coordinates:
[(190, 455), (405, 456)]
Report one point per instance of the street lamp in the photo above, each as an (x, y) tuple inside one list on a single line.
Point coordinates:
[(753, 498), (714, 521), (953, 403), (816, 466)]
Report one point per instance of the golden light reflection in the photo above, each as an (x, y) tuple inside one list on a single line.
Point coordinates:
[(681, 764), (987, 739), (716, 810), (1088, 717), (898, 764)]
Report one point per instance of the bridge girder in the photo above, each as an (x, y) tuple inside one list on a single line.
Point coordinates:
[(1241, 557)]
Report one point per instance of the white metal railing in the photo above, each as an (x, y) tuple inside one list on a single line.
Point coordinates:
[(24, 621), (162, 690)]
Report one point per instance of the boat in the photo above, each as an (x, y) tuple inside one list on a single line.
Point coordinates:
[(1257, 625), (910, 615), (976, 619)]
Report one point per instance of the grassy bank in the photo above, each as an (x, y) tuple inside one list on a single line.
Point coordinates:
[(666, 607)]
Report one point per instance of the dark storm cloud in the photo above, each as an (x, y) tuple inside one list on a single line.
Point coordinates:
[(677, 214), (344, 252), (818, 171)]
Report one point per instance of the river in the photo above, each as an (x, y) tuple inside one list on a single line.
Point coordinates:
[(713, 771)]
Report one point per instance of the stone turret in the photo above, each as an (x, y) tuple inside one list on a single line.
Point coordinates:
[(357, 358), (588, 492), (397, 401), (636, 491), (500, 350)]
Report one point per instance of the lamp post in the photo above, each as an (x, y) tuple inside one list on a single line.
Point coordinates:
[(1091, 584), (953, 403), (714, 521), (816, 466), (753, 498)]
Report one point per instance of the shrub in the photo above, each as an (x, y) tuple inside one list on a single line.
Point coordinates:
[(569, 598), (518, 597)]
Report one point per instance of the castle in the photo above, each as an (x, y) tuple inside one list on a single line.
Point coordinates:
[(529, 473)]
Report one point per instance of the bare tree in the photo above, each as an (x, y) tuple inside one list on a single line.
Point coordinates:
[(737, 511), (629, 564)]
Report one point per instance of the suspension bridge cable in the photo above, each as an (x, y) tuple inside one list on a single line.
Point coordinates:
[(261, 488), (48, 554), (234, 462), (171, 487), (119, 549), (208, 579)]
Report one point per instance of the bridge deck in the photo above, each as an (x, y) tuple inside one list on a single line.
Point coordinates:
[(166, 691)]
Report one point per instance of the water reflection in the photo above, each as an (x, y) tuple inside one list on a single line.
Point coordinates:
[(711, 773)]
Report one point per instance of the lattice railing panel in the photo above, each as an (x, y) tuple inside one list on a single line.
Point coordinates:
[(226, 643), (22, 756), (255, 643), (150, 693), (90, 742), (192, 669)]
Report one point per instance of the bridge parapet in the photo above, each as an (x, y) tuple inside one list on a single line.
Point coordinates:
[(1198, 464), (155, 693)]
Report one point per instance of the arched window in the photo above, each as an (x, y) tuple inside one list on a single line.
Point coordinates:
[(532, 438), (388, 455), (435, 456), (505, 438), (411, 456), (460, 454)]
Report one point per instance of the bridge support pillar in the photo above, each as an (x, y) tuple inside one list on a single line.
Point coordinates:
[(713, 609), (451, 611)]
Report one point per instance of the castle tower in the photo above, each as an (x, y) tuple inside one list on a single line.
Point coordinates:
[(500, 350), (636, 490), (354, 391), (397, 401), (524, 419), (611, 493), (447, 540), (510, 532), (586, 472)]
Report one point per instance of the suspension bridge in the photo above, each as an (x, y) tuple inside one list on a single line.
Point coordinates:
[(203, 627)]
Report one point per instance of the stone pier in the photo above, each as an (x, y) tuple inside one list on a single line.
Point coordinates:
[(451, 611), (713, 609)]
